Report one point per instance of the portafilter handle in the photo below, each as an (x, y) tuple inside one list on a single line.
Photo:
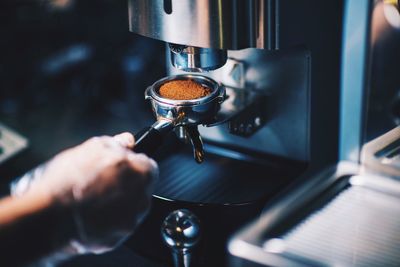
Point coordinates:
[(181, 232), (149, 139)]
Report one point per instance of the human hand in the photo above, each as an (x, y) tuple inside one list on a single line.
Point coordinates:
[(107, 186)]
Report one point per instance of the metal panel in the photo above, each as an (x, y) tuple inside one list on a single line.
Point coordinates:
[(222, 24), (285, 79), (354, 78), (358, 228), (332, 220)]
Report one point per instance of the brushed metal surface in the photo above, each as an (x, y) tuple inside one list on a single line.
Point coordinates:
[(194, 59), (285, 80), (223, 24), (358, 228)]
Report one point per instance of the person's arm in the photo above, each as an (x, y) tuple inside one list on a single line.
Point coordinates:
[(86, 199), (31, 227)]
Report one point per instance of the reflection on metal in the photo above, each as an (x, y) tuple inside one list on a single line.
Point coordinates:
[(382, 154), (197, 143), (222, 24), (186, 114), (346, 216), (181, 232), (354, 78), (284, 80), (347, 231), (195, 59), (254, 242)]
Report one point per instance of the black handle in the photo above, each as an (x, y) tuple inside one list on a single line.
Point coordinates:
[(147, 141)]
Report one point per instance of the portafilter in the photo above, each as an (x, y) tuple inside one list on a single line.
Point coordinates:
[(187, 114)]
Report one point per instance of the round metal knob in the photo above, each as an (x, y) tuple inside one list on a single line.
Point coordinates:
[(181, 230)]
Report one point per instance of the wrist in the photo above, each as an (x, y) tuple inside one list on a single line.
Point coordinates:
[(35, 223)]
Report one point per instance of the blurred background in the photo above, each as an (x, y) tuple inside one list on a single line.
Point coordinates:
[(70, 70)]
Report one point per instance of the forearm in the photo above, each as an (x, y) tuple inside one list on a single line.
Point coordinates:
[(31, 227)]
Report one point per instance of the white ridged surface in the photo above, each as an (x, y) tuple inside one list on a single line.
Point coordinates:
[(360, 227)]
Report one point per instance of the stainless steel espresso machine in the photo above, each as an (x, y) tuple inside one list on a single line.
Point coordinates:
[(277, 120)]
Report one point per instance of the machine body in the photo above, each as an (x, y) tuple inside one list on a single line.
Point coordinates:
[(276, 50), (279, 64)]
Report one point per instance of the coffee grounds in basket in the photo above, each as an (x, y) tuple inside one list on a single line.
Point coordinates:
[(183, 90)]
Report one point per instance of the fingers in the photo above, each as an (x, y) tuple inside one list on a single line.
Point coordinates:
[(125, 139), (103, 178)]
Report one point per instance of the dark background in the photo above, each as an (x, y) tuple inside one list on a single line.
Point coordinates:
[(70, 70)]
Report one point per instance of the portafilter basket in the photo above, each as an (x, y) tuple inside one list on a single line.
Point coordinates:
[(188, 114)]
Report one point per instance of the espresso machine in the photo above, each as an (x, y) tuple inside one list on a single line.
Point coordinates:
[(275, 66)]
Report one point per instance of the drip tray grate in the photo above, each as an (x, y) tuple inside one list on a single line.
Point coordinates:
[(220, 180), (359, 227)]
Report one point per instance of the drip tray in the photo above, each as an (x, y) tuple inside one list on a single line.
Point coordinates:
[(341, 217), (359, 227), (221, 180)]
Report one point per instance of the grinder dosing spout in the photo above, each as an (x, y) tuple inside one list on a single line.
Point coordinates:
[(196, 59)]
